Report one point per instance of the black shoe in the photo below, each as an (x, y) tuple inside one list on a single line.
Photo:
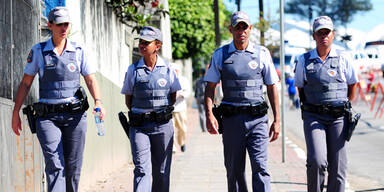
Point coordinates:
[(182, 148)]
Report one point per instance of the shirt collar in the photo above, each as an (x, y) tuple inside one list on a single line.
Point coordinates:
[(250, 47), (159, 62), (315, 55), (68, 47)]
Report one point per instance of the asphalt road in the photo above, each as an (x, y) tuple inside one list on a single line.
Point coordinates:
[(365, 149)]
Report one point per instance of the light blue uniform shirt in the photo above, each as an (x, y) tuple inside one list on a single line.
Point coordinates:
[(35, 64), (349, 74), (268, 69), (129, 80)]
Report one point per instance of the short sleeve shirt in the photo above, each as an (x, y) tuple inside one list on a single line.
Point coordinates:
[(349, 75), (129, 79), (268, 69), (35, 63)]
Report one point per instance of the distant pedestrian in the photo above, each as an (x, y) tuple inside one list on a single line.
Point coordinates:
[(292, 91), (326, 81), (218, 93), (180, 112), (243, 68), (199, 86), (61, 120), (150, 87)]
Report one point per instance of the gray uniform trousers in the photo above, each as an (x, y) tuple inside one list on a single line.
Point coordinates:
[(151, 146), (245, 132), (62, 139), (326, 151)]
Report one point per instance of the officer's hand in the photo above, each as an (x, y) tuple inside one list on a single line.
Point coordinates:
[(102, 110), (212, 125), (16, 123), (274, 131)]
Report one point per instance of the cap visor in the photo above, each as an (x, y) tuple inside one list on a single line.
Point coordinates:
[(239, 21), (323, 27), (61, 20), (146, 38)]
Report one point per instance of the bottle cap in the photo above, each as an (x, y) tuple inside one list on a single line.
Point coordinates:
[(97, 109)]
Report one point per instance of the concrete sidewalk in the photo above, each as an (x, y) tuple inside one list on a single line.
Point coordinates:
[(201, 167)]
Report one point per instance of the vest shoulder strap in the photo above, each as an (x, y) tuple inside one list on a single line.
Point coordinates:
[(306, 58), (225, 53), (42, 47)]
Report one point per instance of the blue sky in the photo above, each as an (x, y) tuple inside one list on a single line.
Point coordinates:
[(365, 21)]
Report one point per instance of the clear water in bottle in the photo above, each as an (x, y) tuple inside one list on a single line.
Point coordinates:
[(99, 123)]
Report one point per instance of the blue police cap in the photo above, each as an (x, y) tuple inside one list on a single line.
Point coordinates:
[(149, 33), (59, 15)]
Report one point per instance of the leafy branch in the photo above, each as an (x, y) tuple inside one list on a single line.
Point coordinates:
[(136, 13)]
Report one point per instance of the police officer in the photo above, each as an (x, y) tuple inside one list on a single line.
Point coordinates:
[(243, 68), (326, 81), (61, 124), (150, 88)]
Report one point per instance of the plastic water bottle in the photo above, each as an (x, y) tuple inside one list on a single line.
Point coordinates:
[(99, 123)]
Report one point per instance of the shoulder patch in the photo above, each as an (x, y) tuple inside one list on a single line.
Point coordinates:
[(30, 56)]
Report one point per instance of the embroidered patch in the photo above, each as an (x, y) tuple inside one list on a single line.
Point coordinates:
[(71, 67), (252, 64), (162, 82), (30, 55), (332, 72)]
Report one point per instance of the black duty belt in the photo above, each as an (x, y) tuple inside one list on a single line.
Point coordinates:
[(43, 109), (335, 111), (255, 110), (158, 116)]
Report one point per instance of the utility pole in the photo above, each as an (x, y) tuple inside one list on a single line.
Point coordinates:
[(238, 4), (282, 64), (309, 22), (262, 22), (217, 26)]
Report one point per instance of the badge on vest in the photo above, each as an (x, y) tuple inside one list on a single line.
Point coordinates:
[(332, 72), (252, 64), (71, 67), (162, 82)]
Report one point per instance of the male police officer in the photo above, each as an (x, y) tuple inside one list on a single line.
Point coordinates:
[(61, 123), (326, 80), (243, 68)]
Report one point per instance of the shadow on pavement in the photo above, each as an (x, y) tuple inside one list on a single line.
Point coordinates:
[(365, 190), (287, 183)]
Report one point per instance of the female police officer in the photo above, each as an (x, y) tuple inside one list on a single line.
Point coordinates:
[(150, 88), (61, 124), (326, 80)]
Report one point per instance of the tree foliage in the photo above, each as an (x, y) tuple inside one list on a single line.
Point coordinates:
[(136, 13), (341, 11), (192, 28)]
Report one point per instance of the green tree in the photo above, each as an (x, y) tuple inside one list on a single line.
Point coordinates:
[(131, 12), (193, 29), (341, 11)]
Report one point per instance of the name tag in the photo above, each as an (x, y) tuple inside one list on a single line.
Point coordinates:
[(228, 62)]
